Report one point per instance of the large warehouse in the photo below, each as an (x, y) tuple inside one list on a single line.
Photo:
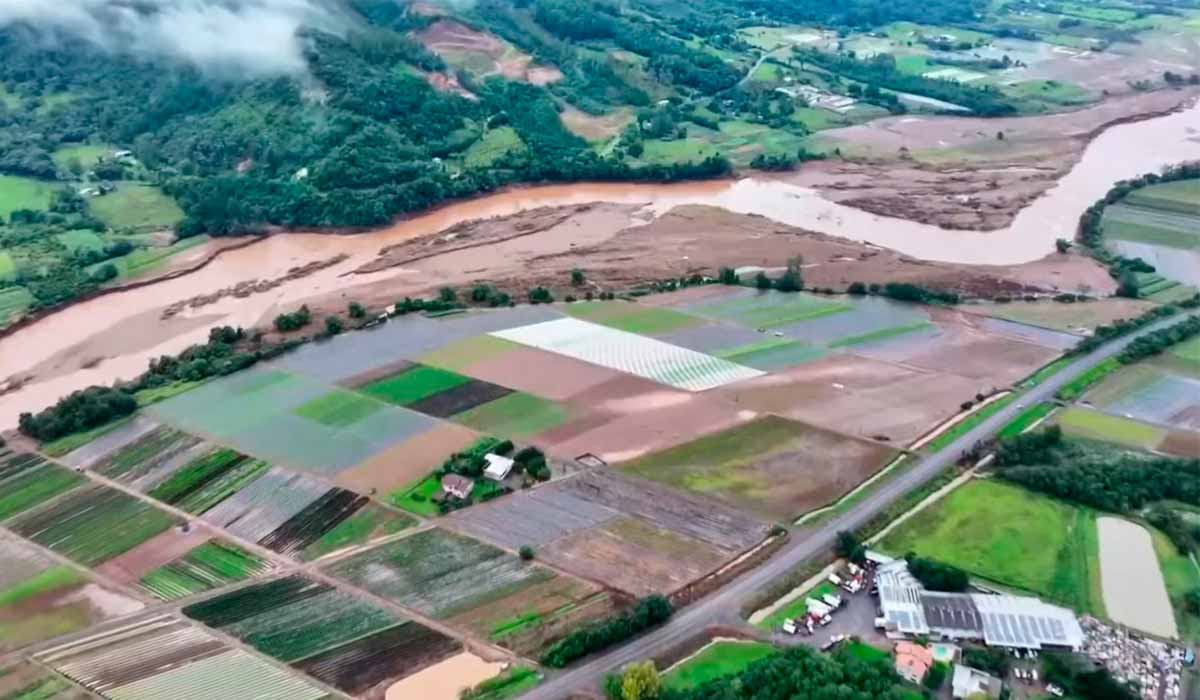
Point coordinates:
[(1019, 622)]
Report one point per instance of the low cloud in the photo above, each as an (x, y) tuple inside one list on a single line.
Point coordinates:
[(231, 37)]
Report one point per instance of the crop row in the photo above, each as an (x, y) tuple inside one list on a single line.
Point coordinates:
[(27, 481), (196, 474), (146, 454), (209, 566), (92, 525)]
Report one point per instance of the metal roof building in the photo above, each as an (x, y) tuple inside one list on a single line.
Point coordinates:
[(1020, 622)]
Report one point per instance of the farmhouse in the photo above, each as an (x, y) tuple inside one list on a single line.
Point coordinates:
[(913, 661), (498, 467), (457, 486), (1016, 622), (971, 683)]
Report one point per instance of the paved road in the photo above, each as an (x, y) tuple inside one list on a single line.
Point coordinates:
[(719, 606)]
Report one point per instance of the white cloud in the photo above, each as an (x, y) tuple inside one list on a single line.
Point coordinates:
[(238, 37)]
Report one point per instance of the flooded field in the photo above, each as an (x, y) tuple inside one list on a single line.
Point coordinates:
[(113, 336), (1134, 591)]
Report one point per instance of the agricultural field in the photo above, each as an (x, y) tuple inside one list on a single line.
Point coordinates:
[(41, 599), (136, 208), (369, 523), (773, 467), (93, 524), (165, 658), (22, 193), (27, 480), (333, 636), (1093, 425), (1161, 224), (1077, 317), (634, 535), (1010, 536), (207, 567), (292, 420), (27, 681), (1164, 391)]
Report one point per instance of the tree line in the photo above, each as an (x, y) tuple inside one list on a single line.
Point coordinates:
[(648, 612)]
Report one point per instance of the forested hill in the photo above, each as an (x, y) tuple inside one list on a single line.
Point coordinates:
[(378, 124)]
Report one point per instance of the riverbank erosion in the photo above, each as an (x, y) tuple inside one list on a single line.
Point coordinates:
[(619, 234)]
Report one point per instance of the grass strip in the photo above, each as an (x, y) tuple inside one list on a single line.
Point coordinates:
[(968, 424), (69, 443), (1027, 418), (418, 498), (716, 660), (1083, 382), (1044, 373)]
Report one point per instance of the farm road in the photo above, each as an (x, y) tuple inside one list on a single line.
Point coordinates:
[(723, 605)]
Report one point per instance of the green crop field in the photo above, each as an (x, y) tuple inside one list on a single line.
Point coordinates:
[(772, 354), (49, 580), (194, 475), (338, 408), (460, 355), (1189, 351), (517, 415), (136, 207), (222, 487), (881, 334), (292, 618), (27, 481), (715, 661), (92, 525), (369, 523), (631, 317), (1182, 196), (22, 193), (413, 384), (1006, 534), (144, 261), (209, 566), (1094, 425)]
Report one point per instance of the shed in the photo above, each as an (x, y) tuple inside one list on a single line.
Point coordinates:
[(457, 486), (969, 682), (498, 467)]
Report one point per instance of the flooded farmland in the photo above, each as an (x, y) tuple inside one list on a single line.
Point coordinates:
[(1134, 591)]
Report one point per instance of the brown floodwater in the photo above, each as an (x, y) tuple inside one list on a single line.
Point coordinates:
[(78, 342)]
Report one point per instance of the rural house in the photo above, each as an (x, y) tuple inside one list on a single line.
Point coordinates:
[(457, 486), (913, 661), (970, 683)]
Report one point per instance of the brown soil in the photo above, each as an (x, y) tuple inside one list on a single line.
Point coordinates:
[(1064, 316), (161, 549), (967, 350), (557, 377), (446, 82), (407, 462), (593, 127), (858, 396), (586, 599), (1181, 443), (957, 174), (634, 557), (453, 41)]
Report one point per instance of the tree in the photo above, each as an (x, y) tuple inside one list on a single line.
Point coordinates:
[(849, 546), (577, 278), (526, 552), (936, 676), (937, 576), (1063, 245), (761, 281), (540, 295), (791, 281), (1191, 600), (333, 325), (640, 681), (447, 295), (295, 320), (856, 288), (1129, 286), (356, 310), (727, 275)]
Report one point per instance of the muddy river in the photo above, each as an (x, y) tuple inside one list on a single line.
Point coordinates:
[(112, 337)]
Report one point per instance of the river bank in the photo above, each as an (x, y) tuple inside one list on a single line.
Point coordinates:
[(619, 233)]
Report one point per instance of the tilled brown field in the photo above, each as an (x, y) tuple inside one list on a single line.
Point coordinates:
[(627, 533), (407, 462), (858, 396), (157, 551)]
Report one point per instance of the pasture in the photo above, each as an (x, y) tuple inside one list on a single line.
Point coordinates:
[(1010, 536), (136, 208), (773, 467), (717, 659), (1093, 425), (22, 193)]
